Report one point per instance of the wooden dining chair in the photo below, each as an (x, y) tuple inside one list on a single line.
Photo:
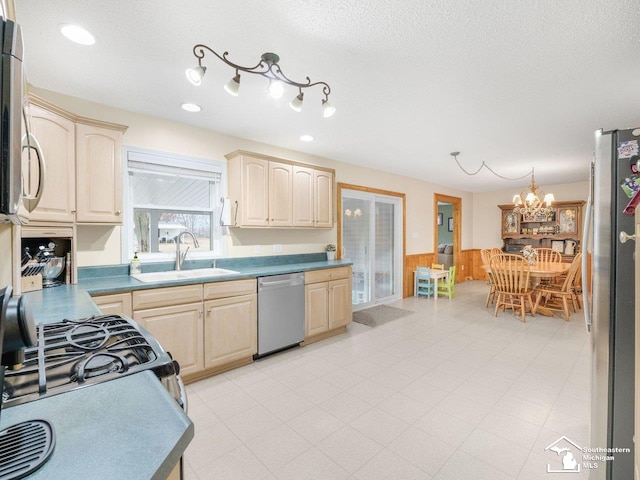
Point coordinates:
[(496, 251), (485, 255), (446, 285), (560, 297), (547, 255), (513, 290), (424, 283)]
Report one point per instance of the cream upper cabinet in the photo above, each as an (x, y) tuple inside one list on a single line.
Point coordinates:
[(83, 158), (323, 195), (99, 174), (272, 192), (280, 194), (303, 203), (56, 136), (253, 183)]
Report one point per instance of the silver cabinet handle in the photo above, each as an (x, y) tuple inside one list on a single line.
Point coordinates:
[(118, 212)]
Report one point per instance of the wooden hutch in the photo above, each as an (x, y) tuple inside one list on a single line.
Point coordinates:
[(560, 231)]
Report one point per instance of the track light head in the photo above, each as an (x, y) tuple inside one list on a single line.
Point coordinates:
[(233, 86)]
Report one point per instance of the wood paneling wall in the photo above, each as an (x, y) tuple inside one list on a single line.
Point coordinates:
[(468, 265)]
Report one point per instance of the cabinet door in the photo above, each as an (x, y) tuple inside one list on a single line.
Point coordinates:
[(280, 194), (99, 175), (179, 331), (323, 182), (316, 308), (56, 135), (230, 329), (255, 192), (116, 304), (303, 195), (339, 303)]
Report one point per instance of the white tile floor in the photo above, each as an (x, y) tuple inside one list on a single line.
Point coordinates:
[(449, 392)]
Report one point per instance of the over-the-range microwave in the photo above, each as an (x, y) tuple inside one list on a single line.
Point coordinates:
[(16, 199)]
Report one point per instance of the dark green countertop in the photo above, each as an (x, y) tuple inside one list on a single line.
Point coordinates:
[(125, 428)]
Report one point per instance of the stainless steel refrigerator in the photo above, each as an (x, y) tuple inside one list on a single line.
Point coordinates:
[(610, 314)]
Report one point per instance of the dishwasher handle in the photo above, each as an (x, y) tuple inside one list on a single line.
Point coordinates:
[(267, 283)]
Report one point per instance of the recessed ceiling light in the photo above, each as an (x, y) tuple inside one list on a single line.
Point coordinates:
[(306, 138), (77, 34), (191, 107)]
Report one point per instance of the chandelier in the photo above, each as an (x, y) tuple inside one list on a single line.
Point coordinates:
[(534, 204), (267, 67)]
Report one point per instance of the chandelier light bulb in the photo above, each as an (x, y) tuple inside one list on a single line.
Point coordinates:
[(327, 109), (233, 85), (194, 75)]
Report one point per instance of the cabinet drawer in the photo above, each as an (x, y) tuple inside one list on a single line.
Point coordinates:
[(326, 275), (114, 304), (229, 289), (47, 232), (162, 297)]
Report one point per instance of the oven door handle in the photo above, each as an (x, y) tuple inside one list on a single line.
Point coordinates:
[(32, 201)]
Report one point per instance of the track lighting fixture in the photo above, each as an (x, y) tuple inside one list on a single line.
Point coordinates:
[(267, 67)]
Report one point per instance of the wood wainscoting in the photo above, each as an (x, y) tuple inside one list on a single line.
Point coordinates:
[(468, 267)]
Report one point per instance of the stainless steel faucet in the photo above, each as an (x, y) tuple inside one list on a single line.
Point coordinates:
[(181, 256)]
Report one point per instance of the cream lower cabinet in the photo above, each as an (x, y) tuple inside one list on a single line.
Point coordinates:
[(115, 304), (217, 327), (327, 300), (179, 330), (230, 330), (174, 316)]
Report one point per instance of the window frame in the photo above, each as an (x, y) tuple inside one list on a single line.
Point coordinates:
[(189, 163)]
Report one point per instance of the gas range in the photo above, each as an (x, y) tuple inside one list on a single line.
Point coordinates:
[(77, 353)]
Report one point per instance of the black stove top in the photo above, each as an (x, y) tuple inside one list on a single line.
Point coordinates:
[(75, 353)]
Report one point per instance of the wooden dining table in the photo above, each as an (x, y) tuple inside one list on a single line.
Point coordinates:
[(539, 271)]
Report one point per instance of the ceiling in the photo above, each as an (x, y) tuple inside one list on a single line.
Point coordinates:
[(513, 84)]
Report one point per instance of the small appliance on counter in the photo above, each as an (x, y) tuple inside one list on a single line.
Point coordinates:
[(26, 446), (44, 263)]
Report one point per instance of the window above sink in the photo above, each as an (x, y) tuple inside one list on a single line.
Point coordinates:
[(167, 194)]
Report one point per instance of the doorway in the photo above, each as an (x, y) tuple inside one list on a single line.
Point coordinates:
[(447, 227), (371, 235)]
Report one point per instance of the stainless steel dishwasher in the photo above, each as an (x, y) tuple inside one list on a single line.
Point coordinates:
[(280, 312)]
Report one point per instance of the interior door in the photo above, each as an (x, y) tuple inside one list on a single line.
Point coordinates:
[(372, 240)]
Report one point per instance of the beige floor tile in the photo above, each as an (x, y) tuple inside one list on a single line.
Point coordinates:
[(346, 406), (349, 448), (316, 424), (252, 422), (404, 408), (312, 465), (278, 447), (239, 464), (389, 466), (462, 466), (444, 427), (209, 444), (288, 405), (379, 426), (421, 449), (496, 451)]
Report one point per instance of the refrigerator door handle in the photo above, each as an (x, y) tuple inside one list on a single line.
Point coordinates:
[(586, 231)]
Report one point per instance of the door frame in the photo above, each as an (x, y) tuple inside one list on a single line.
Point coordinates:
[(457, 225), (376, 191)]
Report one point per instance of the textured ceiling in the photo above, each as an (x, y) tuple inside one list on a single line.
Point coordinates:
[(514, 84)]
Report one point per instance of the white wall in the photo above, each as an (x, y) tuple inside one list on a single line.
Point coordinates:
[(101, 246), (486, 216)]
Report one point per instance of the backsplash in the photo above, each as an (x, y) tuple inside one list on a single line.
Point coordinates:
[(228, 263)]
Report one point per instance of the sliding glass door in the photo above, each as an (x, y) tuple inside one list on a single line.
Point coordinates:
[(372, 240)]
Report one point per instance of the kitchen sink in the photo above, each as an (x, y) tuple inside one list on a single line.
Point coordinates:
[(182, 274)]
